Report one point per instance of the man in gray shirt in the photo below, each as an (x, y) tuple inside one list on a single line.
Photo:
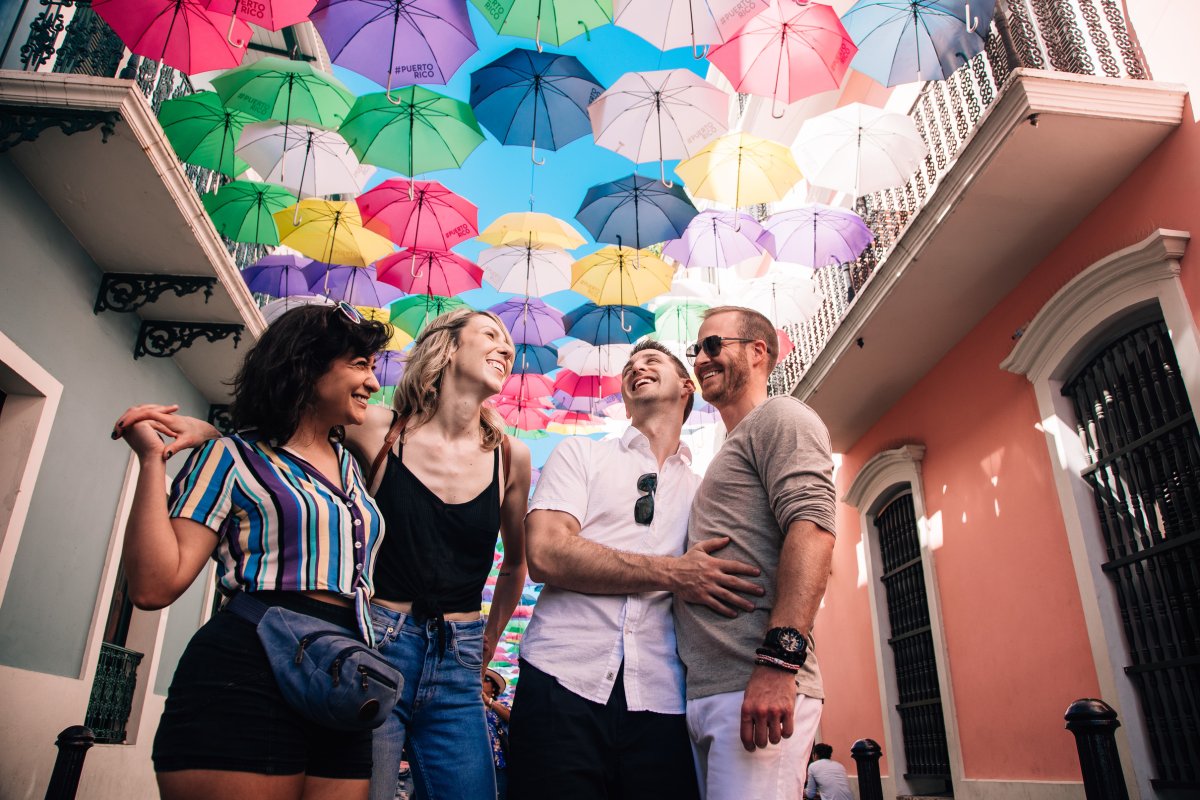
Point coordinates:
[(753, 687)]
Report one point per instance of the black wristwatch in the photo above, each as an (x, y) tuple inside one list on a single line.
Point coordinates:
[(785, 644)]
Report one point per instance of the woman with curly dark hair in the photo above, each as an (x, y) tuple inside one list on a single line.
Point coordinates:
[(282, 508)]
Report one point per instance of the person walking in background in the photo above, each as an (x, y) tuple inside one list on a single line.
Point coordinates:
[(497, 721), (753, 688), (826, 778)]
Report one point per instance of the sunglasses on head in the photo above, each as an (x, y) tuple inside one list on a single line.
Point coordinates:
[(643, 507), (711, 346), (352, 313)]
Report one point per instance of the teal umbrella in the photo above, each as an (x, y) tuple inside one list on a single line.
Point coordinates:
[(412, 314), (204, 132)]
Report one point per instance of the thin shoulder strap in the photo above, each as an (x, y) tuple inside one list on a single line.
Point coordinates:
[(389, 441), (506, 460)]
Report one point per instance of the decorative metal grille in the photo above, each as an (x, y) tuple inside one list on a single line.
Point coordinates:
[(911, 640), (1144, 451), (112, 693), (90, 47)]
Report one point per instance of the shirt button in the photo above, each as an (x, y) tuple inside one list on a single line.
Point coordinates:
[(358, 522), (358, 567), (358, 545)]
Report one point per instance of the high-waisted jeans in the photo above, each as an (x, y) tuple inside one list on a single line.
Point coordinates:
[(440, 714)]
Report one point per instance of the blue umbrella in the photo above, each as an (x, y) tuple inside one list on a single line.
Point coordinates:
[(636, 211), (538, 358), (608, 324), (527, 96), (900, 41)]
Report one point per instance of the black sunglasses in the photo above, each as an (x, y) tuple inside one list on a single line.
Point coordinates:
[(643, 507), (711, 345)]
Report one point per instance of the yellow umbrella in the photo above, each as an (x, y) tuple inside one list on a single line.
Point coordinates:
[(621, 276), (531, 228), (330, 231), (741, 170), (400, 339)]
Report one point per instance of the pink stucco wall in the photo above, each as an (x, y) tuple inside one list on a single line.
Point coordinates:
[(1018, 648)]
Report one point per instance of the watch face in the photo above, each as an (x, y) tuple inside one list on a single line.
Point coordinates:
[(790, 641)]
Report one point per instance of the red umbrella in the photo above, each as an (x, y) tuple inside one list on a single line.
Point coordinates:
[(521, 414), (180, 33), (429, 272), (586, 385), (418, 214), (529, 387), (788, 52), (274, 15)]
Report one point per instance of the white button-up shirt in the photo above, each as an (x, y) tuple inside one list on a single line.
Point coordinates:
[(581, 639)]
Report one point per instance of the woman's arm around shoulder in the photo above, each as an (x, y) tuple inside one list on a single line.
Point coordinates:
[(364, 441)]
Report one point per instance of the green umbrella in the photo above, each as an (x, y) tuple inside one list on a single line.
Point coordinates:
[(523, 434), (553, 21), (679, 320), (242, 210), (423, 132), (204, 132), (286, 91), (412, 314), (384, 396)]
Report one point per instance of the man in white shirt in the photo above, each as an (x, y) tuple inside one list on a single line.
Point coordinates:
[(599, 709), (826, 777)]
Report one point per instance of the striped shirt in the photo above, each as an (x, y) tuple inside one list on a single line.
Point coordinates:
[(281, 524)]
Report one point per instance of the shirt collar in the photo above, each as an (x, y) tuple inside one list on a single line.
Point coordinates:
[(633, 439)]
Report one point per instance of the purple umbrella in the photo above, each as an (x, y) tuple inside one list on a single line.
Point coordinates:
[(356, 285), (815, 235), (397, 42), (716, 239), (530, 320), (389, 366), (278, 276)]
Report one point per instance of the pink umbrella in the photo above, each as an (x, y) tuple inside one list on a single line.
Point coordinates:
[(597, 386), (418, 214), (528, 387), (274, 15), (429, 272), (180, 33), (790, 51), (521, 414), (573, 423)]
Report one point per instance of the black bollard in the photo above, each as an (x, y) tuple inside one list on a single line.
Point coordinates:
[(866, 753), (73, 744), (1095, 724)]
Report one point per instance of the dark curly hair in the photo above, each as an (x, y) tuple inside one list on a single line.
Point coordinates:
[(276, 384)]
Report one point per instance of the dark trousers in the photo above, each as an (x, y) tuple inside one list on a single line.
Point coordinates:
[(563, 746)]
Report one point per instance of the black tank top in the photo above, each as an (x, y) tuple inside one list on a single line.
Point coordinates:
[(435, 555)]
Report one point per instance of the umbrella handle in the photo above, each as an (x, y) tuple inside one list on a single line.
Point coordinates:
[(701, 53), (972, 24), (413, 269), (537, 33), (662, 175), (229, 33), (388, 94), (533, 153), (296, 216), (624, 327)]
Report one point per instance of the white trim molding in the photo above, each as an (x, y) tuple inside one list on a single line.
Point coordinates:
[(1132, 280), (875, 485)]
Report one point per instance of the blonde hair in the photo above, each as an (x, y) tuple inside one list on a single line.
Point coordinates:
[(419, 391)]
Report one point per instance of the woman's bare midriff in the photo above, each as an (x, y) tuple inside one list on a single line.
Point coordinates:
[(331, 598), (405, 607)]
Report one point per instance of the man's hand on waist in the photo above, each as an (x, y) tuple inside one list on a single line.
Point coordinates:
[(697, 577)]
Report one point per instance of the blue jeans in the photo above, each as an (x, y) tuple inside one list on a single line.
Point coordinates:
[(440, 713)]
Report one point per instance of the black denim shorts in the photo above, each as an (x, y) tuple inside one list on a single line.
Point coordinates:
[(224, 710)]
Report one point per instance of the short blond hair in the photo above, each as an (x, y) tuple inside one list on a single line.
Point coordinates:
[(753, 325)]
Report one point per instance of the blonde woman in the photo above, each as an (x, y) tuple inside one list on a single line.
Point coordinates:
[(445, 478)]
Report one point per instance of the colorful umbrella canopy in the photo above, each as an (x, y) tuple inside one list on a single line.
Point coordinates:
[(419, 131), (358, 286), (278, 275), (423, 215), (596, 386), (530, 321), (679, 320), (273, 15), (816, 235), (535, 358), (330, 231), (203, 132), (585, 404), (526, 97), (589, 359), (859, 149), (429, 272), (521, 414), (608, 324), (285, 91), (668, 24), (635, 211), (397, 42), (389, 367), (667, 114), (400, 339), (703, 413), (740, 169), (412, 314), (277, 308), (529, 387), (716, 239), (901, 41), (531, 228), (528, 269), (620, 276), (309, 161), (573, 423), (180, 33), (244, 211), (788, 52), (784, 297), (553, 21)]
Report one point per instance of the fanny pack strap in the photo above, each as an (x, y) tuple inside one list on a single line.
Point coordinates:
[(247, 607)]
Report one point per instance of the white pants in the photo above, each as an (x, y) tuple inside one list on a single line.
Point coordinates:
[(725, 769)]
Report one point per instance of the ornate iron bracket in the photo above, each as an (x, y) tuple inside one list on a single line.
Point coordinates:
[(25, 123), (220, 418), (123, 291), (163, 339)]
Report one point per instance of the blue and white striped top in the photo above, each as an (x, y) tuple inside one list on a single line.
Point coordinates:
[(281, 524)]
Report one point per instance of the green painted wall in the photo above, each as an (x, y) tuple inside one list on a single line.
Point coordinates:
[(47, 290)]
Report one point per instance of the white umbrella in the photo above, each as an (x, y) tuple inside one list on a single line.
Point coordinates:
[(785, 297), (308, 161), (859, 149), (664, 114), (277, 308), (589, 359), (528, 269), (685, 23)]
